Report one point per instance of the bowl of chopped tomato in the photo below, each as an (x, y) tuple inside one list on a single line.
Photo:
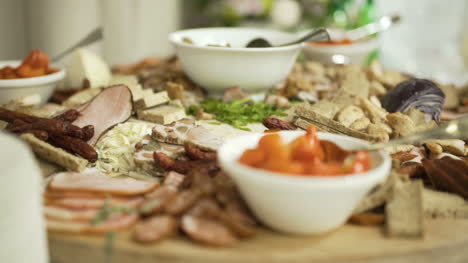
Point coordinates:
[(33, 75), (302, 182)]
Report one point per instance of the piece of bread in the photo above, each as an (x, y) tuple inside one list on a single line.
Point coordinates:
[(123, 79), (54, 154), (325, 108), (442, 204), (378, 196), (349, 114), (404, 216), (48, 168), (151, 100), (163, 114)]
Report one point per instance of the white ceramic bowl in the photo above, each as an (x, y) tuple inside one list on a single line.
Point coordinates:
[(218, 68), (299, 204), (11, 89), (354, 53)]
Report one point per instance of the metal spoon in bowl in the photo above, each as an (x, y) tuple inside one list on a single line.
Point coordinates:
[(316, 35), (455, 129)]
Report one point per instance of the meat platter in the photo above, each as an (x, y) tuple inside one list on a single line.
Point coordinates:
[(134, 169)]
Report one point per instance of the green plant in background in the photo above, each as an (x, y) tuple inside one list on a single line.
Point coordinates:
[(288, 14)]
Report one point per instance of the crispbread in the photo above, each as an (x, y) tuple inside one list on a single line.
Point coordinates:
[(344, 98), (404, 210), (309, 116), (378, 196), (54, 155), (325, 108), (442, 204)]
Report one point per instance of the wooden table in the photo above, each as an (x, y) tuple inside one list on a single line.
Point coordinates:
[(446, 241)]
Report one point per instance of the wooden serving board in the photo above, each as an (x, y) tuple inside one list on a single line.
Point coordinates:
[(446, 240)]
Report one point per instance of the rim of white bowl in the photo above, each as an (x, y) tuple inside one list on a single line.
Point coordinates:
[(26, 82), (325, 181), (177, 42)]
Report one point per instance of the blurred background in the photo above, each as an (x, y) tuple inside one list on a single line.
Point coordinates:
[(431, 40)]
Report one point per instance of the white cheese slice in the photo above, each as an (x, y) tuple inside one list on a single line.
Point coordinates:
[(85, 64)]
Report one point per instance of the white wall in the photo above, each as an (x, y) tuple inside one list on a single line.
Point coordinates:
[(133, 29), (12, 29)]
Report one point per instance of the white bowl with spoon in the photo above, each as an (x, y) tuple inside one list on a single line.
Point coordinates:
[(216, 58)]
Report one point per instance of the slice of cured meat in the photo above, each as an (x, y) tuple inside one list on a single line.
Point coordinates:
[(93, 202), (186, 131), (59, 213), (93, 180), (117, 223), (110, 107), (155, 228), (207, 231), (173, 180), (157, 200)]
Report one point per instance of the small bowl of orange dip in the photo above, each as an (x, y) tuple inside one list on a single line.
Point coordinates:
[(341, 50), (34, 75), (302, 182)]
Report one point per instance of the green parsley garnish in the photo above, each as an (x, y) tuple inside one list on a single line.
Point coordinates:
[(237, 113), (106, 211), (109, 246)]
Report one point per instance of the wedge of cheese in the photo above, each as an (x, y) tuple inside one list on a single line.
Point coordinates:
[(85, 64)]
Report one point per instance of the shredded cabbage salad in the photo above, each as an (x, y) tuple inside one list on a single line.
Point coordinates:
[(117, 147)]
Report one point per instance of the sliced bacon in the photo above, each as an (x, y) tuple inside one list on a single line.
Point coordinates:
[(155, 228), (117, 223), (93, 202), (110, 107), (93, 180)]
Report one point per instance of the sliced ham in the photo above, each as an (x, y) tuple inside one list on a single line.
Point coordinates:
[(62, 194), (155, 228), (117, 223), (59, 213), (93, 202), (207, 231), (110, 107), (93, 180)]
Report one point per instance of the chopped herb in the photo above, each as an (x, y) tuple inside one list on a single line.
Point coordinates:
[(106, 211), (109, 245), (237, 113), (172, 102), (214, 123)]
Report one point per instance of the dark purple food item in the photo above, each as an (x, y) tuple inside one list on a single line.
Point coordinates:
[(420, 94)]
